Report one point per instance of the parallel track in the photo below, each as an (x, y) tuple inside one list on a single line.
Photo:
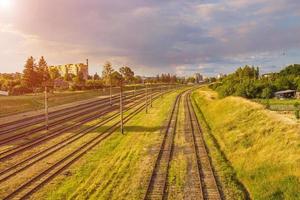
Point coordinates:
[(91, 113), (204, 184), (36, 182), (157, 185), (50, 135), (61, 115), (32, 159), (209, 189), (28, 121)]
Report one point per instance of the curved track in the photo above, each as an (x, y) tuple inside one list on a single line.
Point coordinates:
[(157, 186), (204, 184), (4, 155), (37, 181)]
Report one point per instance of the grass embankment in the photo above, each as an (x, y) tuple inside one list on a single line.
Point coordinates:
[(118, 167), (262, 147)]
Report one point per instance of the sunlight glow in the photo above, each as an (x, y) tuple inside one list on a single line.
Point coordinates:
[(5, 4)]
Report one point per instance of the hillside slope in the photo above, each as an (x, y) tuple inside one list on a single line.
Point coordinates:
[(262, 147)]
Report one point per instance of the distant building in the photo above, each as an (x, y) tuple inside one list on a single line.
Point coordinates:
[(198, 78), (267, 75), (285, 94), (74, 69), (220, 76)]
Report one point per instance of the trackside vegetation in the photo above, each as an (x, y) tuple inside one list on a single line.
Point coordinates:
[(249, 83), (118, 167), (259, 149)]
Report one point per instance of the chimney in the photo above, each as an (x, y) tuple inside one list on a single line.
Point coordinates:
[(87, 62)]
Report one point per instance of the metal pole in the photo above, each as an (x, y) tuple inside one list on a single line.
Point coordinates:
[(146, 99), (121, 108), (151, 95), (46, 109), (110, 91), (134, 92)]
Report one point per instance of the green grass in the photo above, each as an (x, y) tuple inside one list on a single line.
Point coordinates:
[(277, 101), (16, 104), (118, 167), (262, 147), (278, 104)]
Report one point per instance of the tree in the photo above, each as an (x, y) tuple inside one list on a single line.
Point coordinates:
[(79, 79), (43, 71), (291, 70), (54, 73), (67, 76), (127, 73), (107, 73), (96, 77), (267, 93), (116, 78), (30, 78), (138, 79), (191, 80)]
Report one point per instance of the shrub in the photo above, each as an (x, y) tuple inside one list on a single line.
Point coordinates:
[(19, 90)]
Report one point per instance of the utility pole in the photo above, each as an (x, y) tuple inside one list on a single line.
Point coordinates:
[(151, 95), (146, 99), (121, 108), (46, 109), (110, 91), (134, 93)]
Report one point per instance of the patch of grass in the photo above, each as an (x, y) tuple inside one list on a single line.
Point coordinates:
[(262, 147), (116, 169), (277, 101), (278, 104), (16, 104)]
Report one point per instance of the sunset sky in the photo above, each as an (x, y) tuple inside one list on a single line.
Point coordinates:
[(152, 36)]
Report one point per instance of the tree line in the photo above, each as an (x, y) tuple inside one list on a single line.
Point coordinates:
[(38, 74), (247, 82)]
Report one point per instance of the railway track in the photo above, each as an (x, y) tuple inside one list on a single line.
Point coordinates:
[(85, 115), (10, 127), (37, 181), (204, 185), (28, 121), (4, 155), (31, 160), (157, 185), (208, 185)]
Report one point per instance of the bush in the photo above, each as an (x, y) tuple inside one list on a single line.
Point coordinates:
[(19, 90), (245, 82), (266, 93)]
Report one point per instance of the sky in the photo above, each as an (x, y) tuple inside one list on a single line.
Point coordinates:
[(152, 36)]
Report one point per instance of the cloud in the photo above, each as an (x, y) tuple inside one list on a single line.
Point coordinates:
[(153, 36)]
